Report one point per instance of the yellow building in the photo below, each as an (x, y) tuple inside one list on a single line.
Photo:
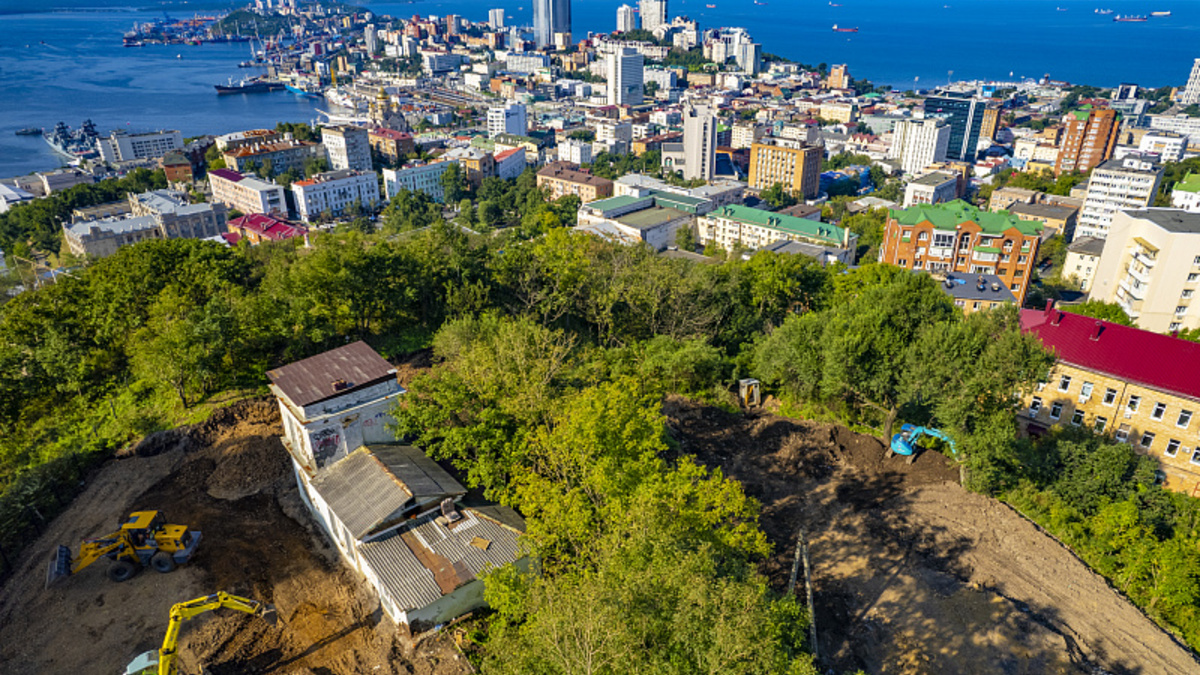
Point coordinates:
[(794, 164), (1139, 387)]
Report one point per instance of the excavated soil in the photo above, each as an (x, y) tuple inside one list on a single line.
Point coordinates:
[(912, 574), (230, 478)]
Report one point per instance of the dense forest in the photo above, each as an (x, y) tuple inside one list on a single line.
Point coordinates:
[(553, 352)]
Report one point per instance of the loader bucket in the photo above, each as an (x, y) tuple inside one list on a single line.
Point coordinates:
[(59, 567)]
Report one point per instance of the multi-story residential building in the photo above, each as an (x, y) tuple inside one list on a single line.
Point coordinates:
[(839, 77), (391, 145), (550, 18), (349, 147), (1079, 266), (160, 214), (496, 19), (746, 134), (123, 146), (524, 63), (1151, 267), (964, 114), (1058, 218), (737, 225), (839, 112), (1090, 138), (919, 143), (257, 228), (507, 119), (1005, 197), (237, 139), (246, 194), (280, 156), (417, 177), (1191, 91), (623, 74), (1128, 183), (563, 178), (1180, 124), (975, 293), (796, 165), (575, 151), (476, 164), (626, 19), (991, 122), (1186, 193), (510, 163), (333, 191), (932, 188), (958, 237), (1168, 145), (749, 57), (665, 79), (654, 14), (176, 167), (699, 142), (1104, 381)]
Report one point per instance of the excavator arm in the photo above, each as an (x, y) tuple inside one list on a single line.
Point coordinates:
[(162, 662)]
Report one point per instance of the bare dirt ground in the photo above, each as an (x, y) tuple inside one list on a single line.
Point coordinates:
[(912, 574), (229, 478)]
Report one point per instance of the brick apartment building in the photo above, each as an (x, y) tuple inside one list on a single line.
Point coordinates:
[(564, 178), (1090, 138)]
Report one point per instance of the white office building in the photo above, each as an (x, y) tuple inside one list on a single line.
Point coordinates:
[(654, 14), (626, 19), (919, 143), (507, 119), (331, 192), (623, 69), (122, 146), (1191, 92), (1117, 185), (417, 177), (699, 142), (349, 147)]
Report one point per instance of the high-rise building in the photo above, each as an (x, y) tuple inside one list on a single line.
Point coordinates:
[(1090, 138), (1125, 92), (349, 147), (370, 39), (699, 142), (1118, 184), (839, 77), (654, 14), (624, 72), (496, 19), (919, 143), (794, 164), (964, 114), (452, 22), (507, 119), (626, 19), (749, 57), (1191, 92), (550, 17)]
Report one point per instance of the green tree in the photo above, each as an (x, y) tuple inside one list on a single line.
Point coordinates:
[(454, 183), (777, 197), (1098, 309), (685, 239)]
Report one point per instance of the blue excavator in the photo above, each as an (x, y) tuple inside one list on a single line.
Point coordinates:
[(905, 442)]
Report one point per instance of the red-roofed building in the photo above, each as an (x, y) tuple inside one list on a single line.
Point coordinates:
[(258, 227), (510, 163), (1142, 388), (390, 144)]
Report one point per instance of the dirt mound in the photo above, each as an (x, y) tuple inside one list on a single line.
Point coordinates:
[(229, 478), (161, 442), (913, 574)]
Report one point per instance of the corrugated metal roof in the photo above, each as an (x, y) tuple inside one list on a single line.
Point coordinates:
[(311, 380), (361, 491), (412, 585), (420, 474)]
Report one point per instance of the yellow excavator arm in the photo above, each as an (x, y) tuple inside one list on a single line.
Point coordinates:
[(163, 661)]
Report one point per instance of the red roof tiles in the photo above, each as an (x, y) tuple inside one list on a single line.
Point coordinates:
[(267, 227)]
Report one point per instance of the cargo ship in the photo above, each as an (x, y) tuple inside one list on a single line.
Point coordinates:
[(844, 30), (248, 87), (1160, 14), (76, 144), (29, 131), (1133, 18)]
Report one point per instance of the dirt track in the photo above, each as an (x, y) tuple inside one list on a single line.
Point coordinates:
[(230, 479), (912, 573)]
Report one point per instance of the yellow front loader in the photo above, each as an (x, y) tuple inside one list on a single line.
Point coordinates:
[(145, 539), (162, 660)]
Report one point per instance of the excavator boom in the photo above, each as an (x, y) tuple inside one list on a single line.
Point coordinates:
[(162, 661)]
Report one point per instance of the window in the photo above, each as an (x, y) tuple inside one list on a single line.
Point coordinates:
[(1041, 386), (1196, 456), (1133, 403), (1110, 395), (1181, 309), (1193, 276), (1196, 260), (1172, 448), (1147, 440), (1188, 293), (902, 263), (1100, 423), (1064, 383), (1185, 418), (1175, 325), (1085, 392), (922, 236), (1035, 405), (1077, 418), (1021, 259), (1122, 434), (1160, 409), (1056, 410)]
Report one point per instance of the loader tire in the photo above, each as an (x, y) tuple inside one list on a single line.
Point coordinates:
[(121, 570), (163, 562)]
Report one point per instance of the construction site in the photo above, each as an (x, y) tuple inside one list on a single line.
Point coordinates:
[(910, 572)]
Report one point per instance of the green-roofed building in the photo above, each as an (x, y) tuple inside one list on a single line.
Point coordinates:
[(1186, 193), (961, 238), (737, 225), (652, 219)]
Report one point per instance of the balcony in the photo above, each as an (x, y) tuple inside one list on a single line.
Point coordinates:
[(1141, 275), (1146, 260), (940, 252), (986, 254), (1132, 288)]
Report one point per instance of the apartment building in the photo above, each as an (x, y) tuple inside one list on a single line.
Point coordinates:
[(1151, 268), (280, 156), (1186, 193), (476, 164), (417, 177), (975, 293), (919, 143), (348, 147), (1056, 217), (1102, 380), (510, 163), (1168, 145), (563, 178), (1089, 139), (794, 164), (575, 151), (333, 191), (1083, 256), (1191, 91), (124, 146), (699, 142), (737, 225), (509, 118), (391, 145), (246, 194), (1115, 185), (623, 75), (932, 188), (957, 237), (746, 134), (839, 77)]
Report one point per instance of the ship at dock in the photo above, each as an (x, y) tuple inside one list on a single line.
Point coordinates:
[(248, 86), (74, 143)]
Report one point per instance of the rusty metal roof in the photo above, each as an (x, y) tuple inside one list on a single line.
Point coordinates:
[(313, 379)]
